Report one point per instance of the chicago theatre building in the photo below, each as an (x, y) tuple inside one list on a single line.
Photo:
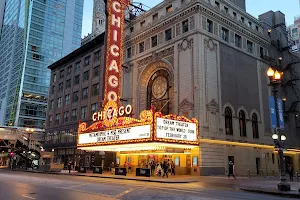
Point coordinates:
[(202, 59), (195, 61)]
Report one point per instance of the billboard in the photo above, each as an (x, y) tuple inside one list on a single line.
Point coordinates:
[(295, 33), (273, 112)]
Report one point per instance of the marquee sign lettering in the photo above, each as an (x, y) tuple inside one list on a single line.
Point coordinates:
[(114, 50)]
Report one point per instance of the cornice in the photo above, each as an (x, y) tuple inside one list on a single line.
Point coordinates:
[(192, 8)]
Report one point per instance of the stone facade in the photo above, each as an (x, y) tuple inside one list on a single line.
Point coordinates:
[(211, 54)]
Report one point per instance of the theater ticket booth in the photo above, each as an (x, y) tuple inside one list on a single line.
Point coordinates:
[(153, 137)]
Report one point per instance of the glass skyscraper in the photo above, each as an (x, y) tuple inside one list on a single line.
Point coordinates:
[(35, 33)]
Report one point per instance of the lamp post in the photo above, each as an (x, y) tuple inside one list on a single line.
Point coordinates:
[(279, 140), (29, 131)]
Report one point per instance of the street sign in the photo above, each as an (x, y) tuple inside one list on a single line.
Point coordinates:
[(273, 112)]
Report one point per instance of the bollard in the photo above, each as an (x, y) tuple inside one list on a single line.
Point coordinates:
[(297, 176), (248, 173), (261, 173)]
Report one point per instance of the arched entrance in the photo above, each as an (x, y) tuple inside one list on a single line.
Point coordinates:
[(156, 87)]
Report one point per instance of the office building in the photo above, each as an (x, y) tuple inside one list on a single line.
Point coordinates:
[(35, 34)]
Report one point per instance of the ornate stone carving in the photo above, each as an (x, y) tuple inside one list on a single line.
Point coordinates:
[(210, 44), (185, 105), (133, 50), (156, 56), (127, 67), (147, 44), (170, 59), (192, 22), (203, 23), (160, 38), (185, 44), (213, 106), (177, 29)]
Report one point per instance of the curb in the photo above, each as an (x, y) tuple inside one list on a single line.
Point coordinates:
[(275, 193), (110, 177)]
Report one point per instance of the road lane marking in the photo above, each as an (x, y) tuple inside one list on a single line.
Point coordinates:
[(75, 186), (124, 193), (27, 196)]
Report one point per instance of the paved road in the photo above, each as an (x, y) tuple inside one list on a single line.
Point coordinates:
[(26, 186)]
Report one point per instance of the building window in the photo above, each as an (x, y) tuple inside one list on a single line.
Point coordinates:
[(256, 27), (142, 23), (185, 26), (217, 4), (87, 61), (261, 51), (250, 24), (95, 90), (226, 9), (243, 19), (61, 74), (74, 114), (169, 8), (53, 89), (168, 34), (67, 99), (69, 70), (94, 108), (249, 46), (76, 80), (57, 118), (59, 102), (66, 116), (234, 14), (129, 52), (155, 17), (242, 123), (85, 93), (50, 120), (77, 67), (225, 34), (75, 96), (68, 83), (141, 47), (154, 41), (255, 126), (228, 121), (97, 56), (96, 71), (61, 87), (86, 75), (83, 112), (209, 26), (131, 29), (238, 41)]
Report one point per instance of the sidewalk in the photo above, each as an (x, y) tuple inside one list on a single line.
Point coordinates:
[(131, 176), (270, 187)]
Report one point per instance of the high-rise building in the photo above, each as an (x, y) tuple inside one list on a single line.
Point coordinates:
[(2, 6), (35, 34), (98, 25)]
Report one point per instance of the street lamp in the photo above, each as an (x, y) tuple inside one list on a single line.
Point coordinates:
[(29, 131), (279, 140)]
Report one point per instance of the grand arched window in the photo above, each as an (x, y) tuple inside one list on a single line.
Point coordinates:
[(255, 126), (158, 91), (228, 121), (242, 122)]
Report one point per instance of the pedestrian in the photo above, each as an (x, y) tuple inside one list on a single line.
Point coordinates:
[(165, 168), (158, 170), (231, 169), (129, 167), (69, 167), (112, 167), (152, 168), (173, 168), (291, 172)]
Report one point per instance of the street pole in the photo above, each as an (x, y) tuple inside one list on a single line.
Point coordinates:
[(283, 185)]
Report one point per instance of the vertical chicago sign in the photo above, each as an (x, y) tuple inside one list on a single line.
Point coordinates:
[(115, 23)]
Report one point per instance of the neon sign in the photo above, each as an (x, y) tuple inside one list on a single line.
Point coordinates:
[(114, 50)]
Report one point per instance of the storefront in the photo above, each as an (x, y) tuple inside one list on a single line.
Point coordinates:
[(152, 138)]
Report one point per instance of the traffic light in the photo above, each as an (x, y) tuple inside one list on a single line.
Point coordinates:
[(12, 154)]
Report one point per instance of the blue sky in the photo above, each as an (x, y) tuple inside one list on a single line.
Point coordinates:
[(254, 7)]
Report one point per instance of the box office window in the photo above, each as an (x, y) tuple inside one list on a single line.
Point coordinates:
[(195, 161), (177, 161)]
